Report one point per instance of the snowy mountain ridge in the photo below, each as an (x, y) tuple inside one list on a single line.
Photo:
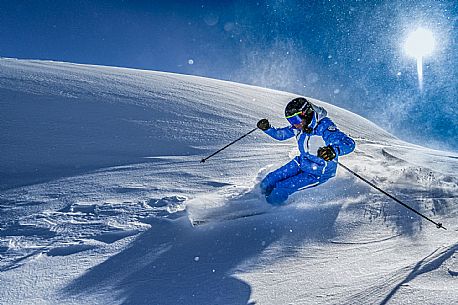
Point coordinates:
[(100, 172)]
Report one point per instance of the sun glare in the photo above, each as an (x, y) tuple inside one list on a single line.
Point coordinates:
[(420, 43)]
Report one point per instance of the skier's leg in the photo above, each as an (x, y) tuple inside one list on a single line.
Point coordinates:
[(303, 180), (283, 189), (288, 170)]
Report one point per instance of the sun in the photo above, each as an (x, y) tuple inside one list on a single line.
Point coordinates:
[(420, 43)]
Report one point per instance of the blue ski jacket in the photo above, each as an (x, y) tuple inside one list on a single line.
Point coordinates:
[(324, 133)]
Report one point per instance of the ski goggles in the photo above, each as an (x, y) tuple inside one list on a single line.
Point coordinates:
[(295, 118)]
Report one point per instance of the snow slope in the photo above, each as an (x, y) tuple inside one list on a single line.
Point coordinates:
[(100, 175)]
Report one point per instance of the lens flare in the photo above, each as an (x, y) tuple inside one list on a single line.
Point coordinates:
[(420, 43)]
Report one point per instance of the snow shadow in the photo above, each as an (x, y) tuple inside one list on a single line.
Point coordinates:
[(175, 263), (48, 137), (427, 264)]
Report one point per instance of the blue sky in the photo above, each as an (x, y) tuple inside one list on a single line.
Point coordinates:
[(349, 53)]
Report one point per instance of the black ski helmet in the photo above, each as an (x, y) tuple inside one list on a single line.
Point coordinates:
[(299, 104), (298, 111)]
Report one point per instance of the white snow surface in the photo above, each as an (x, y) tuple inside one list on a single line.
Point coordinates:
[(100, 179)]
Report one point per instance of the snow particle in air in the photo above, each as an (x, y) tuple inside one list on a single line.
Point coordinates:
[(313, 77), (229, 26), (196, 259), (190, 62), (211, 19)]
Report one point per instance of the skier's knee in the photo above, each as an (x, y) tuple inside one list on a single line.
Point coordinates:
[(278, 196), (267, 184)]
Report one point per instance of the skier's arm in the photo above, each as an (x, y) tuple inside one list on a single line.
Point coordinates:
[(280, 133), (276, 133), (340, 142)]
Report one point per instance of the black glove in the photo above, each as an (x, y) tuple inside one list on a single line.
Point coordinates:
[(263, 124), (327, 153)]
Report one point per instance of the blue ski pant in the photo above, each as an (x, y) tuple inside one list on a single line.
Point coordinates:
[(281, 183)]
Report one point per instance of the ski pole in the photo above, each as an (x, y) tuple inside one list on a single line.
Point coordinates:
[(204, 159), (438, 224)]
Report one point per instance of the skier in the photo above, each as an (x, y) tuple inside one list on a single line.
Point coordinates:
[(320, 144)]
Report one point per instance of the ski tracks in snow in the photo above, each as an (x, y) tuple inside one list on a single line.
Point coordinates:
[(80, 226), (386, 288)]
